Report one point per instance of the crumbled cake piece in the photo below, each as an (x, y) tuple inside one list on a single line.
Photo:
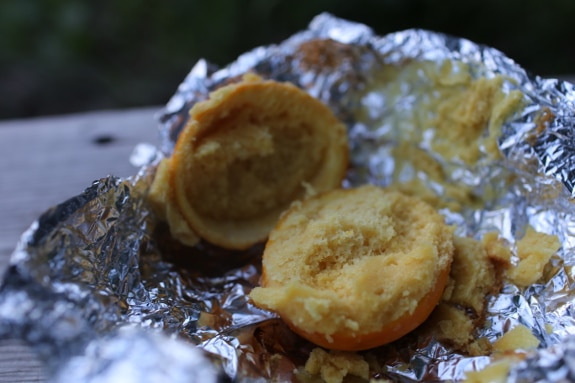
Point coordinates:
[(476, 274), (534, 251), (508, 350), (334, 366), (498, 250), (493, 373), (473, 275), (451, 324), (518, 338)]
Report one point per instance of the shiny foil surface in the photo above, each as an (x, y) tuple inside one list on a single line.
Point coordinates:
[(99, 289)]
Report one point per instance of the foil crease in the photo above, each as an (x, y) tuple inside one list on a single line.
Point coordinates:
[(101, 292)]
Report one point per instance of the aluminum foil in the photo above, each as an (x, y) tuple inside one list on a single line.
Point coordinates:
[(99, 289)]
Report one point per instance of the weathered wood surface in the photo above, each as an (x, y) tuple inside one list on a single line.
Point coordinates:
[(44, 162)]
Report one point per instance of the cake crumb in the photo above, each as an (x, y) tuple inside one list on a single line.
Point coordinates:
[(496, 248), (334, 366), (534, 251), (496, 372), (473, 273), (479, 347), (476, 273), (518, 338), (451, 325)]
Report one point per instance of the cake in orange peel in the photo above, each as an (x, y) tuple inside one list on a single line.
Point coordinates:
[(245, 155), (353, 269)]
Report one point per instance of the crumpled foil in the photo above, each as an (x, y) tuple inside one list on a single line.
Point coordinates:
[(98, 288)]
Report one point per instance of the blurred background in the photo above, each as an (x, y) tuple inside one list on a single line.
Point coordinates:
[(66, 56)]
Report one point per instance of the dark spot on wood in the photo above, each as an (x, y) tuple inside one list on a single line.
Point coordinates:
[(103, 139)]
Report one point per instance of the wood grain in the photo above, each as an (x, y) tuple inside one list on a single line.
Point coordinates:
[(44, 162)]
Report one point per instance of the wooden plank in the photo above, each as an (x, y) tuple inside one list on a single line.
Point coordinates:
[(18, 363), (44, 162)]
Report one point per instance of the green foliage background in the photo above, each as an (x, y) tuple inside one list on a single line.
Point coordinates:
[(62, 56)]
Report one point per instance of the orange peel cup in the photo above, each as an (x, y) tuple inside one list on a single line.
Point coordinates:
[(246, 154), (353, 269)]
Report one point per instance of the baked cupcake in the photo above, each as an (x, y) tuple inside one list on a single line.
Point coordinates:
[(352, 269), (246, 154)]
